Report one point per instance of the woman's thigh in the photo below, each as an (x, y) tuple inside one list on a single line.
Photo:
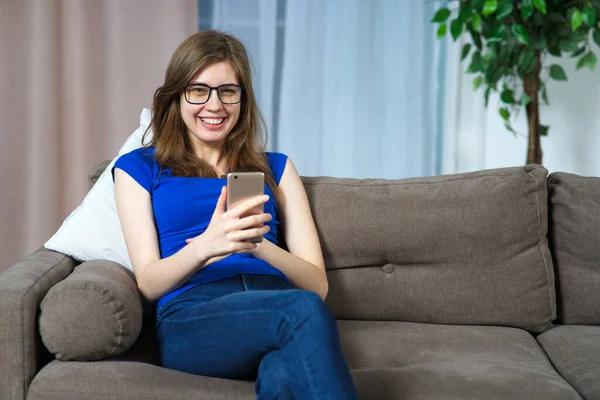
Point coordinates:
[(226, 336)]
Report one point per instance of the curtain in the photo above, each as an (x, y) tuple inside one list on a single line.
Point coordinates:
[(362, 88), (74, 77)]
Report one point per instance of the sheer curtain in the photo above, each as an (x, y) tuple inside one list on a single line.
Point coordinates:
[(349, 88), (361, 88)]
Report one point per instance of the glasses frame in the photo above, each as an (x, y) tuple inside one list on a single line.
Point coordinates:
[(211, 88)]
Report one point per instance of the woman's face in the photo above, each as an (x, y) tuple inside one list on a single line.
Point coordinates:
[(211, 122)]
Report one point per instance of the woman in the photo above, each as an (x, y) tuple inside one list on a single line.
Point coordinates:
[(226, 307)]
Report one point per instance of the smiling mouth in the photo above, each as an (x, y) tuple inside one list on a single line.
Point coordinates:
[(212, 121)]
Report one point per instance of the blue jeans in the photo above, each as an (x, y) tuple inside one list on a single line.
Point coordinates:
[(256, 327)]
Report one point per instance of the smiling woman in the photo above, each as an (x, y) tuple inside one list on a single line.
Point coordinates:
[(226, 307)]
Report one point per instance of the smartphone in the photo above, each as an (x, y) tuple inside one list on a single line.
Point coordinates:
[(242, 186)]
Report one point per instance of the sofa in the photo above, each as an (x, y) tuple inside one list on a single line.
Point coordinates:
[(483, 285)]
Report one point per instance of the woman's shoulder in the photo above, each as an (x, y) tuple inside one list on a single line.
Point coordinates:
[(274, 157), (143, 155), (277, 163), (140, 152)]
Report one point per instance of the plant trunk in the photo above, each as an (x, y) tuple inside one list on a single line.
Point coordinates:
[(532, 88)]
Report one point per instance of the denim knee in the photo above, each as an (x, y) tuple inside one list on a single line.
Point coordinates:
[(299, 305)]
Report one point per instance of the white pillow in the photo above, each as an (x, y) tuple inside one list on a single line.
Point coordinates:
[(93, 230)]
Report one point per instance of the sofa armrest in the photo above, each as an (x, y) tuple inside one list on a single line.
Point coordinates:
[(22, 288)]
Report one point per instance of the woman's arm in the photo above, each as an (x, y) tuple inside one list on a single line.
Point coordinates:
[(155, 276), (303, 264)]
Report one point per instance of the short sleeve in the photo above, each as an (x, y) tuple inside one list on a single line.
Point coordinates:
[(277, 163), (139, 164)]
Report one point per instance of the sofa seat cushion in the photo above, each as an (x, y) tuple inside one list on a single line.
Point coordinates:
[(402, 360), (575, 352)]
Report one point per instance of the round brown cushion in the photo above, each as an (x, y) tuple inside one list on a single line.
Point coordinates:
[(95, 313)]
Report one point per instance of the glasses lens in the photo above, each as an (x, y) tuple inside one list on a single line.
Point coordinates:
[(230, 94), (197, 93)]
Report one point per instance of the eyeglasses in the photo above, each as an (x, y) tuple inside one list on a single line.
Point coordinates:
[(199, 93)]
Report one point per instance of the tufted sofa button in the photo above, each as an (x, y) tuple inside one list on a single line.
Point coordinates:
[(388, 268)]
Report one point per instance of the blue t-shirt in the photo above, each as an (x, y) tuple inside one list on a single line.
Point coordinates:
[(183, 207)]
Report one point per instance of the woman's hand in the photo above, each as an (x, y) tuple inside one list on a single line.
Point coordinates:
[(229, 231)]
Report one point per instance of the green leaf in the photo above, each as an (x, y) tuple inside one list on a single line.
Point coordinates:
[(497, 34), (578, 52), (477, 82), (589, 60), (486, 96), (526, 12), (476, 63), (442, 15), (596, 36), (504, 113), (555, 51), (465, 14), (526, 9), (545, 94), (521, 33), (524, 100), (508, 96), (540, 5), (490, 7), (510, 128), (505, 9), (581, 62), (476, 5), (441, 32), (526, 61), (576, 19), (568, 46), (476, 38), (456, 28), (589, 16), (544, 130), (558, 73), (476, 22), (540, 43), (465, 51)]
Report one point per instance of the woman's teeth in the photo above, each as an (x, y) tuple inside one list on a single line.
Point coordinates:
[(212, 121)]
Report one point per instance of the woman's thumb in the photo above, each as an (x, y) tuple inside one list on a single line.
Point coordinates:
[(222, 201)]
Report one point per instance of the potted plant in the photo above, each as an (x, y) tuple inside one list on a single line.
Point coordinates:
[(508, 48)]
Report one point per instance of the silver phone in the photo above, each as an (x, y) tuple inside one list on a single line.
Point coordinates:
[(242, 186)]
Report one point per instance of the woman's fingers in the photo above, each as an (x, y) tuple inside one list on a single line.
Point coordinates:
[(241, 209), (247, 222), (240, 236)]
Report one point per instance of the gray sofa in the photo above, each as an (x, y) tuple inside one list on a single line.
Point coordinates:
[(483, 285)]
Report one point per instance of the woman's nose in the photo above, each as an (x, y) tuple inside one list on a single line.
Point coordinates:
[(214, 103)]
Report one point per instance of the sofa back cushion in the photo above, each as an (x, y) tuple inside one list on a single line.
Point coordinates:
[(575, 243), (455, 249)]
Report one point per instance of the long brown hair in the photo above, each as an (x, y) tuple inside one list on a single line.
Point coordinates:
[(244, 146)]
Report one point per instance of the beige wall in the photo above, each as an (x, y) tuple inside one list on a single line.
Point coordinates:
[(74, 76)]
